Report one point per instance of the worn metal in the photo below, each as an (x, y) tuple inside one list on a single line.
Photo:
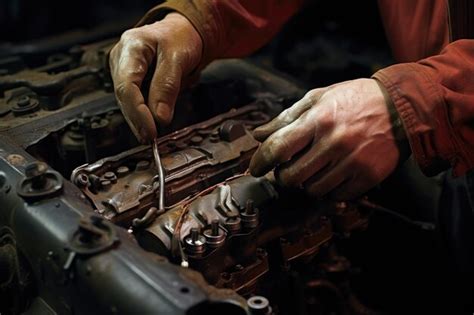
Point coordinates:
[(161, 175), (39, 182), (187, 170), (69, 247), (56, 226)]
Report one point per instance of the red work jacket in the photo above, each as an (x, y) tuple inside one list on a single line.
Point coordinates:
[(432, 86)]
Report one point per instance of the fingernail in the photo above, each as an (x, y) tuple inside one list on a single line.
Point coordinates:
[(163, 113), (258, 133)]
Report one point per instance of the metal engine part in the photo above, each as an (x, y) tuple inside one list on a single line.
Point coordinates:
[(220, 221), (123, 186), (226, 242)]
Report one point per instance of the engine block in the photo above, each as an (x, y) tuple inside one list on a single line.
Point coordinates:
[(81, 231)]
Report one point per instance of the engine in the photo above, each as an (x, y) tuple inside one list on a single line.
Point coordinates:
[(82, 230)]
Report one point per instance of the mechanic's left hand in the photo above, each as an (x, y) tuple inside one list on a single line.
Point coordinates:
[(336, 140)]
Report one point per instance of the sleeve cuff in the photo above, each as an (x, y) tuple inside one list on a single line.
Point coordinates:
[(422, 109), (197, 12)]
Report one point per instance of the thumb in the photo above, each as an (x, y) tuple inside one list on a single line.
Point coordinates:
[(164, 90)]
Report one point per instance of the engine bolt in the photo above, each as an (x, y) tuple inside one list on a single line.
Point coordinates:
[(214, 138), (259, 305), (122, 171), (106, 184), (142, 165), (215, 237), (232, 224), (204, 132), (36, 173), (82, 180), (195, 242), (249, 208), (194, 234), (196, 140), (23, 101), (250, 216), (110, 176), (215, 227)]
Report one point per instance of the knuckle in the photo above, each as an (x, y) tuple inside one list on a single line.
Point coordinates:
[(313, 94), (285, 117), (286, 177), (128, 35), (168, 87), (133, 39), (326, 122), (122, 89), (175, 56), (277, 147), (181, 60)]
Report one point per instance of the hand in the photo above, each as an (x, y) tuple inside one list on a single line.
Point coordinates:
[(336, 140), (176, 47)]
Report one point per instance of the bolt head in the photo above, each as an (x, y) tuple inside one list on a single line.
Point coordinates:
[(23, 101), (36, 169)]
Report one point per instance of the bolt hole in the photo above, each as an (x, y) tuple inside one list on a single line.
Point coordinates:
[(257, 301), (184, 290)]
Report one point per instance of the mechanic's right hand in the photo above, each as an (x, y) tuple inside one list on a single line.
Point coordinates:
[(176, 47)]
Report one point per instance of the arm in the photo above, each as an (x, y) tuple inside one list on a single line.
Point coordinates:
[(230, 28), (435, 100), (181, 37), (341, 140)]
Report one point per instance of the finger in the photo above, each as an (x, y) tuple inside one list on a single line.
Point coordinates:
[(289, 115), (137, 113), (321, 185), (164, 88), (281, 146), (312, 162), (129, 66)]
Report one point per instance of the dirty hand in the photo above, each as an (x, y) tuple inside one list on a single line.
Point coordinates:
[(336, 140), (176, 47)]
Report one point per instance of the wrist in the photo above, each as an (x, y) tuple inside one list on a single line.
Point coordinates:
[(396, 122)]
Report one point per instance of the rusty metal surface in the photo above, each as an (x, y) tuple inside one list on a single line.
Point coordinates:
[(238, 233), (123, 187), (36, 102)]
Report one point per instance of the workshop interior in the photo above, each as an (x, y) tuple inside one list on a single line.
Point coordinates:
[(94, 222)]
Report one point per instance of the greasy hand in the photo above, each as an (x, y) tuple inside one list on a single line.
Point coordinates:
[(176, 47), (336, 140)]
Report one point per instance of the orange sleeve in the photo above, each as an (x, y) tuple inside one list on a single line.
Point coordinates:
[(230, 28), (435, 100)]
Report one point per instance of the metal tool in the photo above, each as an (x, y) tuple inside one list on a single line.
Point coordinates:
[(161, 174), (153, 212)]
